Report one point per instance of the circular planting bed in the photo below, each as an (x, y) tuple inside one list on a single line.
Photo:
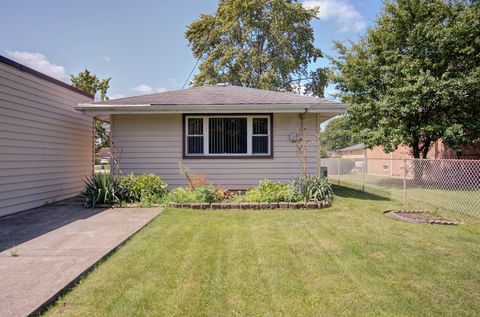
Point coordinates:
[(419, 216)]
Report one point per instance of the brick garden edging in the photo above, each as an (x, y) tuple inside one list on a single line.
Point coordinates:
[(408, 216), (254, 205)]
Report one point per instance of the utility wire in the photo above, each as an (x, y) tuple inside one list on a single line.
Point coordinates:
[(191, 72), (207, 43)]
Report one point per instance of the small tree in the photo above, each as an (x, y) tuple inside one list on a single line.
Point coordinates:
[(90, 83)]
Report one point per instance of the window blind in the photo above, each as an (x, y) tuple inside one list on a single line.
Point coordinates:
[(227, 135)]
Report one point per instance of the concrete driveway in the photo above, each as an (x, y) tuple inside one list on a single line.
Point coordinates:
[(44, 251)]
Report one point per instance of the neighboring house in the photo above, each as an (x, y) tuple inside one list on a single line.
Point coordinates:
[(45, 145), (103, 155), (354, 151), (381, 163), (234, 136)]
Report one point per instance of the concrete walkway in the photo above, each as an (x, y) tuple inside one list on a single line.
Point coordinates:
[(45, 250)]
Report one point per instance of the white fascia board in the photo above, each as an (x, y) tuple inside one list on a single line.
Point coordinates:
[(255, 108)]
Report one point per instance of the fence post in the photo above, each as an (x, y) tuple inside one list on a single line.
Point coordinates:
[(338, 172), (404, 183), (363, 173)]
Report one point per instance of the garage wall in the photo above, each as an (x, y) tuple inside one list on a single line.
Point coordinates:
[(153, 144), (45, 145)]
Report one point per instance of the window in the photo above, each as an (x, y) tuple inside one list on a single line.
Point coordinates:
[(228, 136), (260, 136), (195, 135)]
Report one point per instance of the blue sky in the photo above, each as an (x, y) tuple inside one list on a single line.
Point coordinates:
[(140, 44)]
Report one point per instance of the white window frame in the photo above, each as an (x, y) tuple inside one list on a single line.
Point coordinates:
[(194, 135), (249, 136)]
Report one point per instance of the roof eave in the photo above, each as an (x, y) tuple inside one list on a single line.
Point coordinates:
[(93, 109)]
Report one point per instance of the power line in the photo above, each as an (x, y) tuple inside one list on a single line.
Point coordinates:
[(206, 45), (191, 72)]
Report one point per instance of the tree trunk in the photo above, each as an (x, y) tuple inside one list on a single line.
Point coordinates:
[(420, 152), (417, 164)]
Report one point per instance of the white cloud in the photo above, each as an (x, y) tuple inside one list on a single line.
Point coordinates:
[(144, 89), (38, 62), (107, 58), (147, 89), (341, 11), (116, 96)]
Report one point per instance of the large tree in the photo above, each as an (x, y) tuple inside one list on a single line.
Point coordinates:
[(337, 134), (414, 78), (264, 44), (90, 83)]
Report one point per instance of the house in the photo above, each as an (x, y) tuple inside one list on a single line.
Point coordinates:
[(233, 136), (354, 151), (391, 164), (46, 146), (102, 155)]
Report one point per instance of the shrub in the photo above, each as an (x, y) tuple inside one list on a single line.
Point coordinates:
[(221, 194), (268, 191), (134, 188), (204, 194), (314, 188), (148, 200), (126, 183), (101, 189), (181, 195)]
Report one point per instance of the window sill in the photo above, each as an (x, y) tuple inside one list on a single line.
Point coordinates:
[(228, 157)]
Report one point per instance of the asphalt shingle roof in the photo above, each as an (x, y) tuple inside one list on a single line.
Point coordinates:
[(217, 95), (359, 146)]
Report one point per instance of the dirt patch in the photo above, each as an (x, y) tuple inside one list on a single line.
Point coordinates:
[(419, 216)]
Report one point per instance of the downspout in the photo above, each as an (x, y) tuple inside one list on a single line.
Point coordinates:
[(112, 147), (302, 117)]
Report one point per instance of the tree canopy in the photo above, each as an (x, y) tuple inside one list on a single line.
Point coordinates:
[(90, 83), (337, 134), (257, 43), (414, 77)]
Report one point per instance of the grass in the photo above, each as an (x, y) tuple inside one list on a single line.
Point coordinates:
[(458, 204), (345, 260), (106, 167)]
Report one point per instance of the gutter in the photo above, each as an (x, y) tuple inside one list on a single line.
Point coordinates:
[(251, 108)]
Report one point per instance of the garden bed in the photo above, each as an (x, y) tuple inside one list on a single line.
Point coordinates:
[(254, 205), (109, 191), (419, 216)]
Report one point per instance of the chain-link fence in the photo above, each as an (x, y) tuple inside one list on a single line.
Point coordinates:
[(449, 187)]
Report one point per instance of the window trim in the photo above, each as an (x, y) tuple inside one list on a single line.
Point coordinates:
[(187, 135), (249, 154)]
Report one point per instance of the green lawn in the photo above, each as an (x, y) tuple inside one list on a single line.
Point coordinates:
[(456, 204), (345, 260)]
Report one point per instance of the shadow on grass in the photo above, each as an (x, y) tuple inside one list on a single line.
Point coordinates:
[(347, 192)]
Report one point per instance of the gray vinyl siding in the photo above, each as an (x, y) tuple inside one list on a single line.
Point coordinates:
[(153, 144), (45, 145)]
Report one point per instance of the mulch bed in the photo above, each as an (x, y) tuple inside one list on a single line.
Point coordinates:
[(419, 216)]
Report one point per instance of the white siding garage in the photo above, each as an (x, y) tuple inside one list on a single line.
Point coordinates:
[(45, 145)]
